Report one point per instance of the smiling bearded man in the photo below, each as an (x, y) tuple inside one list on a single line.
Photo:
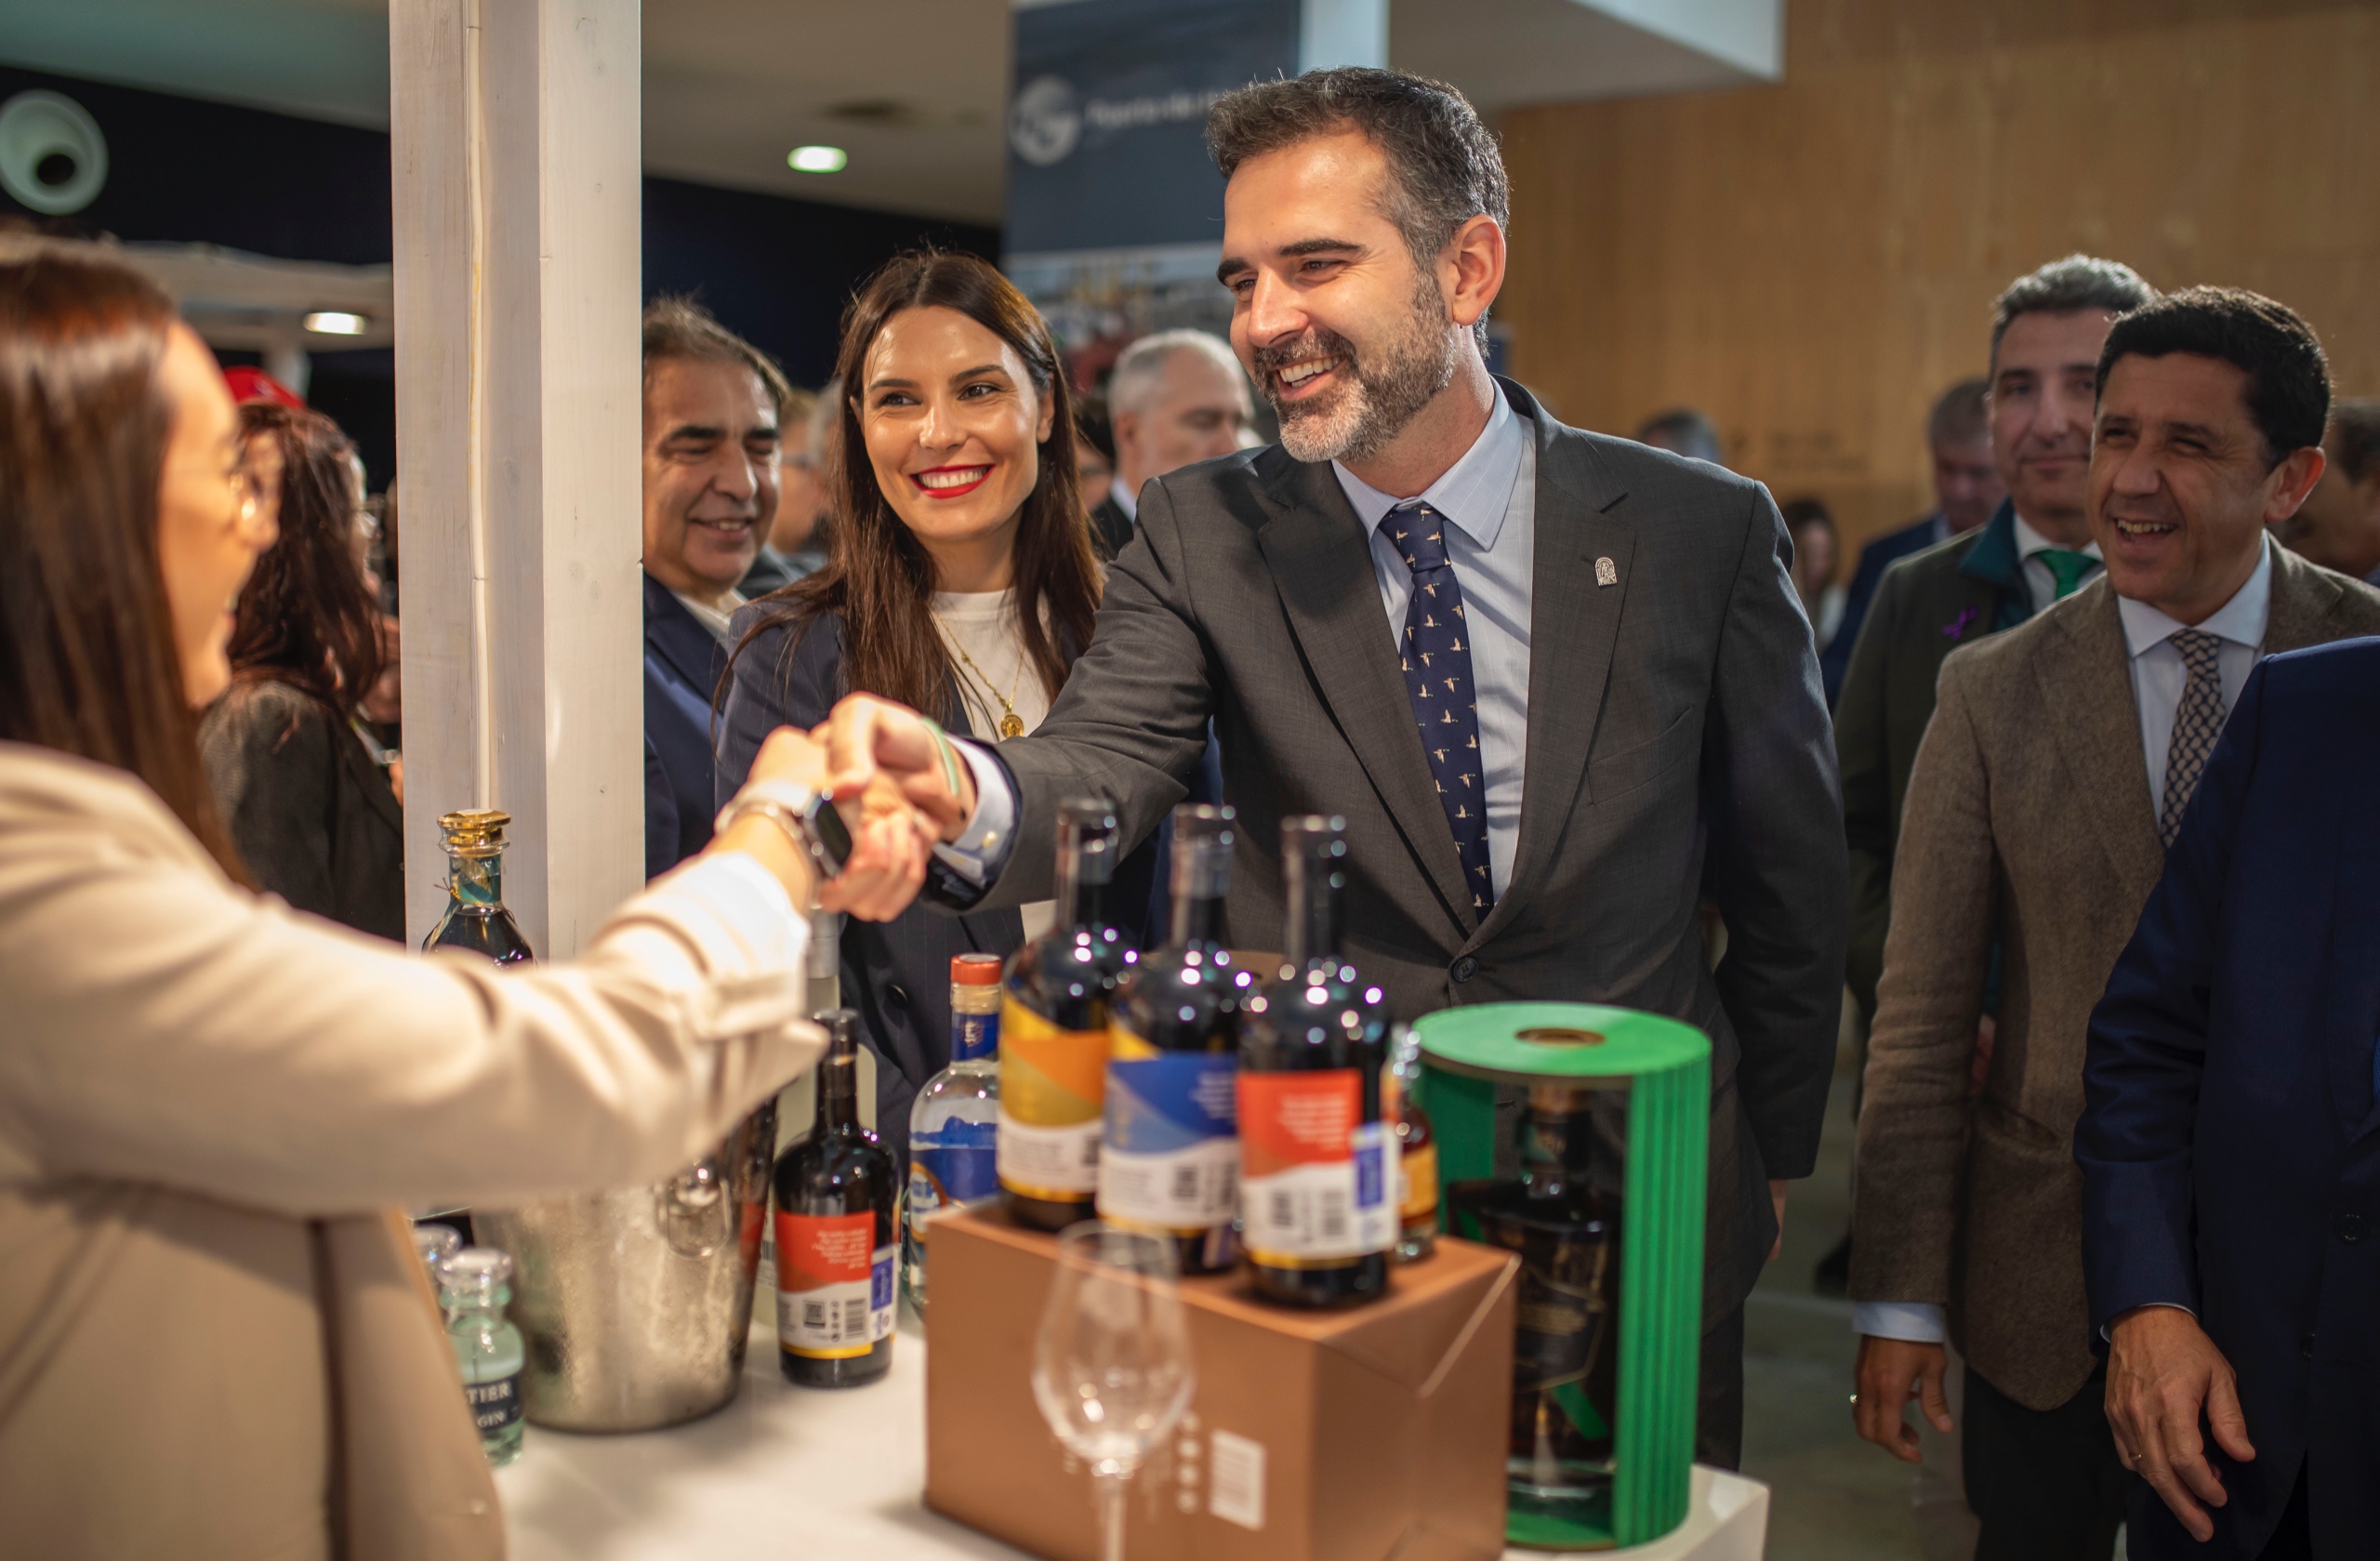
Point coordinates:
[(1601, 640)]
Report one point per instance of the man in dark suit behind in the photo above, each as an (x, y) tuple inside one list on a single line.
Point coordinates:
[(1176, 398), (2045, 334), (1621, 691), (1967, 489), (711, 406)]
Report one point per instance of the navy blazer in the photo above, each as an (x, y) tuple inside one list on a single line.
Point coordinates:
[(896, 974), (2230, 1147), (1835, 660), (682, 665)]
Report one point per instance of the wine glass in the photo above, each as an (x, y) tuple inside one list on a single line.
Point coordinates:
[(1111, 1367)]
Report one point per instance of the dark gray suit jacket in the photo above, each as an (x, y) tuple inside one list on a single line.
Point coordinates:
[(1678, 745)]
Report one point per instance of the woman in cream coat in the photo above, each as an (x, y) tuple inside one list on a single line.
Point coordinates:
[(214, 1338)]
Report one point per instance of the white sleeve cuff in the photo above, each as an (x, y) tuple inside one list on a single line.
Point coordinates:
[(977, 855), (1915, 1322), (749, 946)]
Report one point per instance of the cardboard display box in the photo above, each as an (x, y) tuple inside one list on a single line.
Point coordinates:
[(1357, 1435)]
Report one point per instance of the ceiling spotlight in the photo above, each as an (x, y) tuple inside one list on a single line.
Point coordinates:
[(333, 322), (817, 159)]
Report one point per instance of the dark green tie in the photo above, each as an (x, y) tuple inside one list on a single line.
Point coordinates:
[(2067, 568)]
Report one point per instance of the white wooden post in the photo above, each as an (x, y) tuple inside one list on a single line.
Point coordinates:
[(515, 139)]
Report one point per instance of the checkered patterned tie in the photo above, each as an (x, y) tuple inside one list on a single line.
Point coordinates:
[(1438, 680), (2198, 721)]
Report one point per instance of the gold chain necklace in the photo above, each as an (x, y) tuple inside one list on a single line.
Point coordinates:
[(1012, 725)]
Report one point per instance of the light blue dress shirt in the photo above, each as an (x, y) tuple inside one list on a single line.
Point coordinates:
[(1489, 498)]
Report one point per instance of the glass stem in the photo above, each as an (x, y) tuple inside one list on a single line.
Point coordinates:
[(1109, 1490)]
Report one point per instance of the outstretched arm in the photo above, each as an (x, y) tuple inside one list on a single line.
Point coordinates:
[(1131, 725)]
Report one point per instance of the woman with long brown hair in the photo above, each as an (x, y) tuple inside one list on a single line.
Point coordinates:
[(960, 581), (215, 1341), (311, 811)]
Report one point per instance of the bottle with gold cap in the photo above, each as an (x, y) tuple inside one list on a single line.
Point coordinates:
[(475, 918)]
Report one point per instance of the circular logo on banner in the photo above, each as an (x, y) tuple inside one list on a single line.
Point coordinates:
[(1043, 123)]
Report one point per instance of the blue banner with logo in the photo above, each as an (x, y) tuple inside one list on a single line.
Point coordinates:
[(1106, 128)]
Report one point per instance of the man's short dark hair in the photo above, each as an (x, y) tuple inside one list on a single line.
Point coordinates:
[(1684, 431), (2354, 440), (2289, 380), (1444, 166), (679, 327), (2078, 282), (1962, 417)]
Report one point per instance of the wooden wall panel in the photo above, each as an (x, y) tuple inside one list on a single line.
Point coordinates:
[(1811, 262)]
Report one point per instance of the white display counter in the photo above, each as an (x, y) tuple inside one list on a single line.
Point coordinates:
[(792, 1473)]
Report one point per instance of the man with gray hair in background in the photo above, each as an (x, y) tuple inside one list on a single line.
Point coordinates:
[(1176, 398)]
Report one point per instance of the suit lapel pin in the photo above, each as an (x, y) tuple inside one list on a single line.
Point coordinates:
[(1606, 572)]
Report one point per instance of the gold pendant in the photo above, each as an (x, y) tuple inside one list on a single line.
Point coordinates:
[(1011, 726)]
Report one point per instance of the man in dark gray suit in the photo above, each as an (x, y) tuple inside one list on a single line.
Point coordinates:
[(1620, 710)]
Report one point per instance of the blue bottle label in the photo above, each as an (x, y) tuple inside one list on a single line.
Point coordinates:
[(973, 1036), (1170, 1146), (956, 1163), (495, 1405)]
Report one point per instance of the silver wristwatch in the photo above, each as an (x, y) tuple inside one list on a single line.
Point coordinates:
[(808, 818)]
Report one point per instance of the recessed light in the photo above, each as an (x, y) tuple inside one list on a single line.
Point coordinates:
[(817, 159), (334, 322)]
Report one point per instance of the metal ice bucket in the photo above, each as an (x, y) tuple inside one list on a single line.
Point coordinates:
[(635, 1304)]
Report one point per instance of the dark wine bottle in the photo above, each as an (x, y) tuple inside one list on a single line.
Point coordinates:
[(476, 920), (838, 1208), (1169, 1159), (1054, 1033), (1563, 1217), (1317, 1164)]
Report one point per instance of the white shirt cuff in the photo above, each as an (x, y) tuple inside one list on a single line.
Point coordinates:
[(977, 855), (1915, 1322)]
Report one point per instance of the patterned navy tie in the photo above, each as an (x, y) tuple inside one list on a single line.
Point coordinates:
[(1437, 660)]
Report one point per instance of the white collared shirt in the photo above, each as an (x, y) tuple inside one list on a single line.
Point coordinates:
[(1128, 499), (2038, 582), (2159, 674), (1490, 500)]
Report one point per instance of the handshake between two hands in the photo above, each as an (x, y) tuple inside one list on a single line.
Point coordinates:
[(900, 786)]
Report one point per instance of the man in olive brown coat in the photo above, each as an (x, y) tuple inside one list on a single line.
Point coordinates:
[(2059, 761)]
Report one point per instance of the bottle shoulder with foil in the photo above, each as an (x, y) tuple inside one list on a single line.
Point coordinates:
[(475, 920)]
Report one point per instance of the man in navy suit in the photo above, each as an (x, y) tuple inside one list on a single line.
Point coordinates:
[(2230, 1165), (1967, 486), (712, 402)]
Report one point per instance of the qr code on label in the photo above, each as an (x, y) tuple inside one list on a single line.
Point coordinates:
[(1236, 1479)]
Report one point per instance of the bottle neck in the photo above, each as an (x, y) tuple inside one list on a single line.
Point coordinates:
[(477, 1304), (1559, 1147), (837, 1090), (1082, 905), (1312, 936), (474, 880), (1197, 919)]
